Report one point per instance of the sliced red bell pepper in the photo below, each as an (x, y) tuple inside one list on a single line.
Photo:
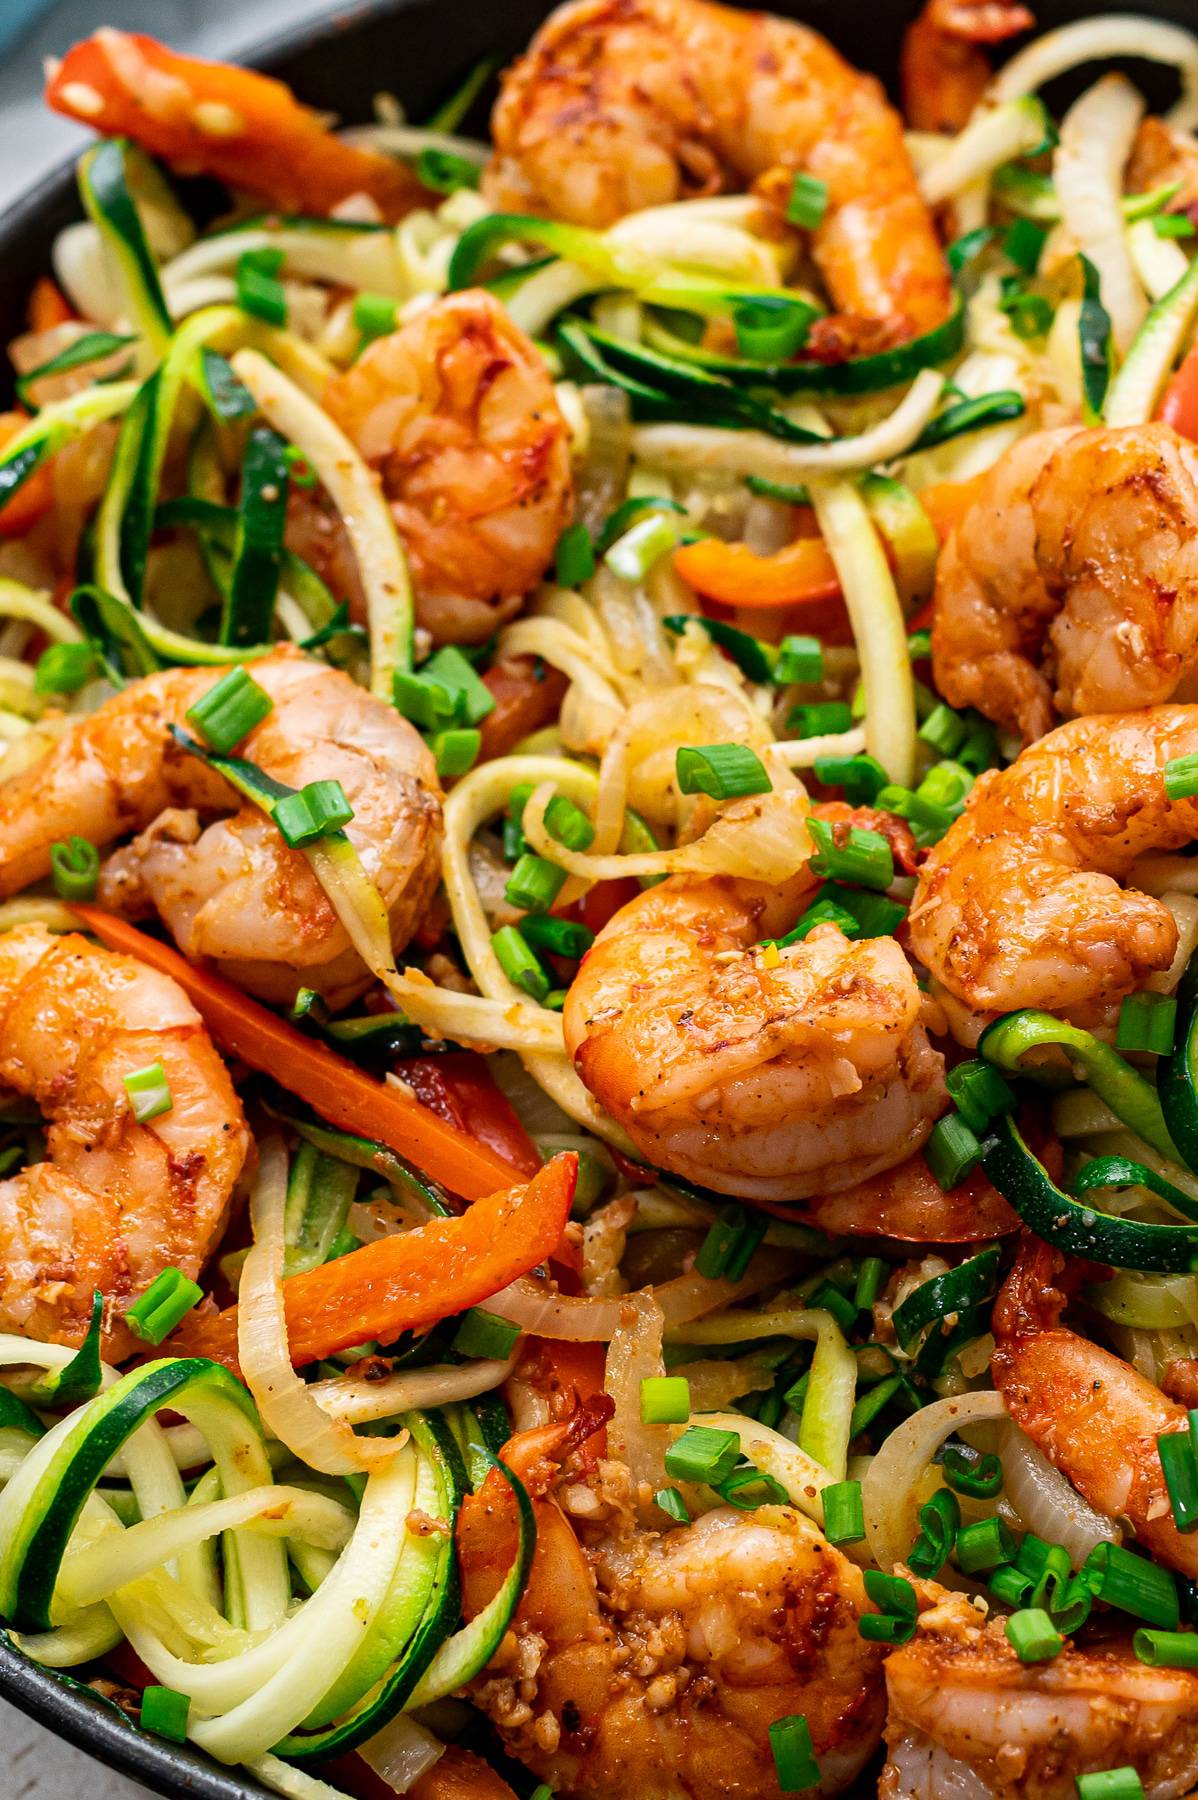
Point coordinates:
[(460, 1088), (527, 695), (1179, 405)]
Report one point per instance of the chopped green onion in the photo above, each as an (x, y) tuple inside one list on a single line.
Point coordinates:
[(844, 1514), (425, 702), (820, 718), (542, 1792), (821, 912), (944, 730), (559, 937), (863, 859), (919, 645), (74, 868), (485, 1335), (886, 1628), (259, 290), (952, 1151), (471, 697), (771, 330), (1010, 1585), (980, 1476), (808, 201), (1111, 1784), (985, 1545), (755, 659), (980, 1093), (665, 1400), (1173, 225), (1023, 243), (794, 1758), (575, 558), (862, 777), (555, 999), (748, 1488), (828, 1298), (1166, 1649), (926, 815), (1181, 777), (673, 1505), (568, 825), (165, 1712), (632, 556), (1132, 1584), (1094, 337), (724, 771), (870, 1276), (534, 884), (456, 751), (939, 1522), (969, 245), (1147, 1022), (875, 915), (948, 784), (1180, 1468), (703, 1454), (167, 1300), (790, 493), (149, 1092), (799, 659), (375, 315), (230, 709), (518, 962), (731, 1241), (63, 669), (319, 808), (866, 1409), (618, 521), (1031, 315), (895, 1596), (1033, 1636), (444, 172)]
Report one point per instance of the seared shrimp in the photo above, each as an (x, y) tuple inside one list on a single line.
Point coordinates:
[(457, 412), (1094, 1416), (1072, 580), (908, 1203), (768, 1079), (653, 1664), (945, 69), (969, 1721), (115, 1202), (1019, 904), (623, 104), (231, 889)]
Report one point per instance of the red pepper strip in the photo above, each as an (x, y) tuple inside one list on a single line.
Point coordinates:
[(524, 701), (798, 574), (336, 1089), (48, 305), (209, 118), (460, 1088), (35, 495), (408, 1282), (1179, 406)]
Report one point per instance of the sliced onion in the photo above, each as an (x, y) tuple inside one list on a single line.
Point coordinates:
[(1096, 40), (635, 1355), (356, 1399), (401, 1753), (285, 1403), (1097, 134), (1046, 1502), (802, 1477), (536, 1308), (294, 1784), (889, 1488)]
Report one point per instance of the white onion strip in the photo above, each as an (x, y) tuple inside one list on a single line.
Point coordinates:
[(1094, 40), (1097, 134), (357, 1400), (800, 1474), (889, 1488), (285, 1403), (1047, 1503), (535, 1308)]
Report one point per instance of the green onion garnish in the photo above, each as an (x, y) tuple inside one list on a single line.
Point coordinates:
[(1132, 1584), (749, 1488), (229, 710), (823, 911), (899, 1609), (862, 777), (456, 751), (575, 557), (485, 1335), (426, 702), (844, 1514), (167, 1300), (808, 201), (149, 1092), (1111, 1784), (559, 937), (985, 1545), (870, 1276), (632, 556), (827, 1297), (1022, 244), (952, 1151), (318, 809), (568, 825), (1173, 225), (971, 1472), (731, 1240), (1181, 777), (939, 1522), (534, 884), (165, 1713), (794, 1758), (874, 914), (1010, 1585), (1166, 1649), (1033, 1636), (74, 868), (1147, 1022), (980, 1092), (943, 730), (259, 290), (820, 718), (703, 1454), (518, 962), (799, 659), (375, 315), (928, 816), (1180, 1468), (472, 699), (665, 1400), (672, 1504), (724, 771), (771, 331), (1031, 315), (1094, 338), (444, 172), (863, 859), (63, 669)]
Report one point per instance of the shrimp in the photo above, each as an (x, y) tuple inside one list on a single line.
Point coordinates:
[(969, 1721), (457, 412), (768, 1080), (1095, 1417), (908, 1203), (624, 104), (1071, 581), (115, 1202), (209, 118), (654, 1663), (231, 889), (945, 70), (1019, 904)]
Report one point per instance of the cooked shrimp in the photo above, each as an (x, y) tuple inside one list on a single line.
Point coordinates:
[(969, 1721), (1072, 579), (623, 104), (770, 1082), (231, 889), (945, 69), (1160, 155), (909, 1204), (1019, 904), (457, 412), (653, 1664), (1094, 1416), (115, 1202)]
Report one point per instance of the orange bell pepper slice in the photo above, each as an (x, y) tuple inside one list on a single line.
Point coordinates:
[(35, 495), (408, 1282), (48, 306), (947, 502), (209, 118), (524, 701), (333, 1087), (800, 573), (1179, 405)]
